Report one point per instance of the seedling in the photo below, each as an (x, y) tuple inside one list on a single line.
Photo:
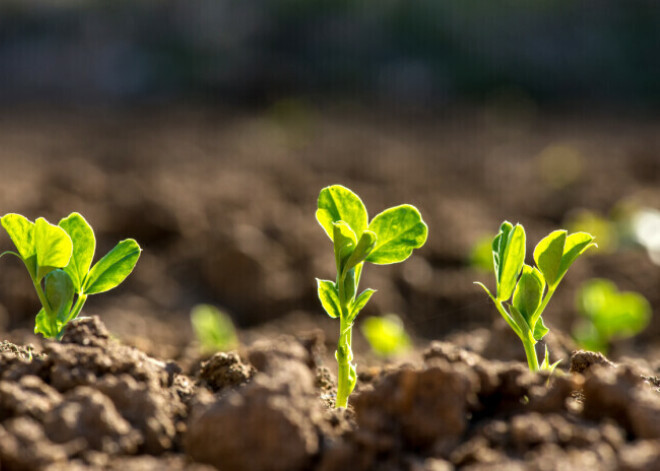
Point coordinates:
[(390, 237), (523, 291), (608, 314), (213, 328), (58, 259), (386, 335)]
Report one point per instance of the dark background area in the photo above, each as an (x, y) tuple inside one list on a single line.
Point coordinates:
[(206, 129)]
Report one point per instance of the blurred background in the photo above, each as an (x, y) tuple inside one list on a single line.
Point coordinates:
[(205, 129)]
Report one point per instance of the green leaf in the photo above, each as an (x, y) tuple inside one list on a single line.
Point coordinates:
[(528, 293), (576, 244), (509, 258), (362, 250), (113, 268), (521, 322), (46, 326), (548, 256), (499, 246), (59, 291), (84, 245), (546, 366), (360, 302), (327, 291), (53, 247), (42, 324), (556, 253), (344, 243), (399, 230), (21, 232), (540, 330), (213, 328), (338, 203)]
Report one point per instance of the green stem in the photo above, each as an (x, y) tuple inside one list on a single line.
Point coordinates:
[(530, 352), (344, 354), (544, 303), (45, 304), (508, 319), (80, 302)]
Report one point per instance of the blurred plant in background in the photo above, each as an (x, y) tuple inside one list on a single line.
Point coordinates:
[(608, 314), (481, 255), (213, 329), (386, 335)]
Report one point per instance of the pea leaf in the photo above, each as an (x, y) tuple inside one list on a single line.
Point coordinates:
[(576, 244), (53, 247), (46, 326), (540, 330), (548, 255), (521, 322), (84, 245), (113, 268), (362, 250), (344, 243), (59, 291), (508, 257), (329, 298), (528, 293), (338, 203), (398, 230), (21, 233), (361, 301)]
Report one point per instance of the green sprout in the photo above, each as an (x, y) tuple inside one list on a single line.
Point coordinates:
[(58, 259), (386, 335), (213, 328), (608, 314), (526, 290), (390, 237)]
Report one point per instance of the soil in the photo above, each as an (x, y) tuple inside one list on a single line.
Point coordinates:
[(223, 206)]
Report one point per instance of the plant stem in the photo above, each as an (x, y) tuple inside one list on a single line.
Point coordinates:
[(80, 302), (530, 352), (344, 353), (344, 356), (46, 305)]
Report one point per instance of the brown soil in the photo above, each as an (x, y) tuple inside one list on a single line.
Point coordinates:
[(91, 402), (224, 210)]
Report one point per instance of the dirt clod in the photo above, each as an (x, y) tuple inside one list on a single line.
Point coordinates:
[(225, 370)]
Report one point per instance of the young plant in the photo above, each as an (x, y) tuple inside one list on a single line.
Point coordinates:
[(213, 328), (390, 237), (523, 291), (386, 335), (608, 314), (58, 259)]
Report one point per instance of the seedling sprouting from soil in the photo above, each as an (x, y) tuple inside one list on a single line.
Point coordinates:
[(608, 314), (523, 291), (390, 237), (213, 328), (385, 334), (58, 259)]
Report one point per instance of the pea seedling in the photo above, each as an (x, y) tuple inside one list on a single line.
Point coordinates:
[(526, 290), (213, 328), (58, 259), (390, 237), (608, 314), (386, 335)]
